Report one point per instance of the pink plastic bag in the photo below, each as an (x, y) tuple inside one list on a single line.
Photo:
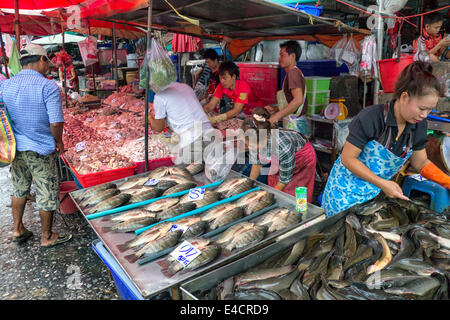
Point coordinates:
[(88, 50)]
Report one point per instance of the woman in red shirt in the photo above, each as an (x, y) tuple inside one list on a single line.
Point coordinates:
[(238, 91), (71, 77)]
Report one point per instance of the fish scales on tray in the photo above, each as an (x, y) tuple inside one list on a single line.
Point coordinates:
[(209, 252), (111, 203), (179, 188), (99, 197), (180, 171), (194, 226), (176, 210), (255, 201), (130, 215), (91, 191), (195, 168), (161, 204), (161, 243), (176, 178), (158, 173), (245, 238), (222, 215), (148, 235), (132, 183), (134, 224), (278, 219), (208, 198), (234, 186), (145, 194)]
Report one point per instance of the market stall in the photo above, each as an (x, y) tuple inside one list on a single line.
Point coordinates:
[(147, 271)]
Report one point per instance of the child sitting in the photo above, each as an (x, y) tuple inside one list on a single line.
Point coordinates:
[(432, 46)]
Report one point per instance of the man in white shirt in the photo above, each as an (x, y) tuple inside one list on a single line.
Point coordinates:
[(178, 105)]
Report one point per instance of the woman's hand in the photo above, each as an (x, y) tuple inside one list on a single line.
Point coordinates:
[(393, 190)]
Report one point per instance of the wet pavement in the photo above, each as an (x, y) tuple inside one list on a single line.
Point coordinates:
[(69, 271)]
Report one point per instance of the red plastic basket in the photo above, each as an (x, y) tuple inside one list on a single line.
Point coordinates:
[(152, 164), (93, 179), (390, 70)]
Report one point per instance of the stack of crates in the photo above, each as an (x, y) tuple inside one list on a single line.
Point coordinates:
[(317, 94)]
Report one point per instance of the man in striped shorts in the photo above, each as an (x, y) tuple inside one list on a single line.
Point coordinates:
[(34, 104)]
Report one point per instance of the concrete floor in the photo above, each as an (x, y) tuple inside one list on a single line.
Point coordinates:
[(70, 271)]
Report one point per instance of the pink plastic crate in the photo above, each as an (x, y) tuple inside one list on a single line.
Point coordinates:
[(153, 164)]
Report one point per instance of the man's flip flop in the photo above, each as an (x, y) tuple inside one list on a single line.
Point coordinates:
[(61, 239), (23, 237)]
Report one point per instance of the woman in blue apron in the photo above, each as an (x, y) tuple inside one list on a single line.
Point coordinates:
[(381, 139)]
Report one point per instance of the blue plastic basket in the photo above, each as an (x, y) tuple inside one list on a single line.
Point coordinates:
[(125, 288), (312, 10)]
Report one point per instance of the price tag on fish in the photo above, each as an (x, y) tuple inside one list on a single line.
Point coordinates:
[(185, 253), (89, 119), (117, 137), (196, 194), (80, 146), (178, 227), (152, 182)]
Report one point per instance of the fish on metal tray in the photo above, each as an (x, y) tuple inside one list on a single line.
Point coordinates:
[(111, 203), (371, 207), (276, 283), (234, 230), (222, 215), (421, 288), (417, 266), (194, 226), (209, 251), (299, 289), (176, 170), (176, 178), (175, 210), (195, 168), (255, 201), (179, 188), (130, 215), (208, 198), (148, 235), (99, 197), (385, 258), (278, 219), (164, 185), (255, 294), (132, 183), (145, 194), (166, 241), (246, 238), (91, 191), (158, 173), (262, 274), (161, 204), (133, 224), (234, 186)]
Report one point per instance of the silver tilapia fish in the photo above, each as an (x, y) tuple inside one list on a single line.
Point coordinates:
[(234, 186), (100, 196), (195, 168), (255, 201), (161, 204), (111, 203), (208, 198), (179, 188), (91, 191)]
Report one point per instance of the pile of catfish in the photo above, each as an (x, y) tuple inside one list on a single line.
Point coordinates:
[(384, 250)]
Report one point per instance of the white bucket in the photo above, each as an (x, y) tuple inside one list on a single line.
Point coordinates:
[(132, 60)]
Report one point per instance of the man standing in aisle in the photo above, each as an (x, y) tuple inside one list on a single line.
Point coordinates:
[(291, 100), (34, 104)]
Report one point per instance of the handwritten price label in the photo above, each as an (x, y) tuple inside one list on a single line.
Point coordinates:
[(152, 182), (178, 227), (185, 253), (196, 194), (80, 146), (117, 137)]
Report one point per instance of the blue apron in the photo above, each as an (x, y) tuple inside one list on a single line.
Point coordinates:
[(344, 189)]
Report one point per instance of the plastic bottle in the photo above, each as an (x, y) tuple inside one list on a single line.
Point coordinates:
[(301, 199)]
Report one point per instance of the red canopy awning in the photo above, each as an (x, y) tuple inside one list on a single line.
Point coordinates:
[(185, 43), (30, 25), (39, 4)]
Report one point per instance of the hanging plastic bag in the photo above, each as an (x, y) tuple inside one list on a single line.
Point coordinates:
[(369, 56), (88, 50), (162, 70), (338, 49), (7, 139), (219, 161), (350, 54)]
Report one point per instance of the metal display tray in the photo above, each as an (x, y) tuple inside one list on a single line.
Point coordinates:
[(150, 280), (282, 242)]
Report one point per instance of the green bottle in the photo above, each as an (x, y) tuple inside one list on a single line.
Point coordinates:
[(301, 199)]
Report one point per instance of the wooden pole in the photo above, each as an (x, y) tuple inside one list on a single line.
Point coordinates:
[(64, 66), (17, 23), (147, 73)]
